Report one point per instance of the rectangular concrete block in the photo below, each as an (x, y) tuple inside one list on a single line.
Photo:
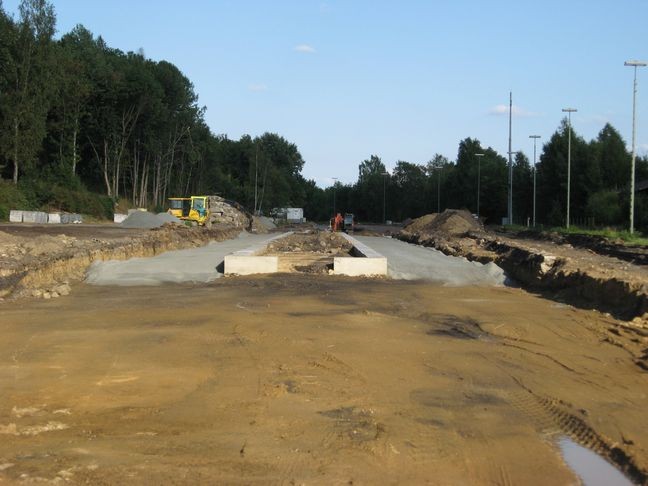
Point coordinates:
[(15, 216), (250, 264), (118, 218), (29, 216), (69, 218), (360, 266), (54, 218), (366, 261)]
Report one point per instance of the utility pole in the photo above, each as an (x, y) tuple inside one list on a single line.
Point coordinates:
[(384, 174), (479, 156), (534, 137), (510, 153), (569, 111), (439, 191), (256, 176), (634, 64)]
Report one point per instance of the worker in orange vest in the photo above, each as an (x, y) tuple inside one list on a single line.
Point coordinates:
[(339, 220)]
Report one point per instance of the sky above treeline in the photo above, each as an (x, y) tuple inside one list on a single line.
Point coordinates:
[(402, 80)]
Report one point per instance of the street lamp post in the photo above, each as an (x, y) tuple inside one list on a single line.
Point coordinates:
[(334, 184), (634, 64), (479, 156), (569, 111), (535, 138), (384, 218)]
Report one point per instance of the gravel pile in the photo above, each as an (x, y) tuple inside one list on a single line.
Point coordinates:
[(146, 220)]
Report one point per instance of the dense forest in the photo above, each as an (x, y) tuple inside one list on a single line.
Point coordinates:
[(88, 128)]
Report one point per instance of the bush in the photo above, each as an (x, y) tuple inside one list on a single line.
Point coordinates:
[(11, 197), (604, 207)]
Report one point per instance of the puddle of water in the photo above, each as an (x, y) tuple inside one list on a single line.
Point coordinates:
[(592, 469)]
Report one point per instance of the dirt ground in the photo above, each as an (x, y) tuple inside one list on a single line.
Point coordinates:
[(297, 379), (79, 231)]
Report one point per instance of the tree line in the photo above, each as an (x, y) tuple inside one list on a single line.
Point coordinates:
[(600, 178), (79, 118)]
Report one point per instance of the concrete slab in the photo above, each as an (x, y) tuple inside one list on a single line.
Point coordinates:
[(249, 262), (366, 261)]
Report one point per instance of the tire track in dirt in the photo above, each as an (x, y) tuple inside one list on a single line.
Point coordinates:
[(554, 416)]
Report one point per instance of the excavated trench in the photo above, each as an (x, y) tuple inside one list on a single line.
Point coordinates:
[(550, 275)]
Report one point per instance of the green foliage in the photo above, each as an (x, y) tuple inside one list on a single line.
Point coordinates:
[(11, 197), (604, 207)]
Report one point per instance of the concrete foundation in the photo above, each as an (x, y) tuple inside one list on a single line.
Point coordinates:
[(364, 262), (249, 262)]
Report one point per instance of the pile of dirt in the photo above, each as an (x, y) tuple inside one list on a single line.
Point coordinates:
[(321, 243), (419, 224), (262, 225), (146, 220), (451, 222)]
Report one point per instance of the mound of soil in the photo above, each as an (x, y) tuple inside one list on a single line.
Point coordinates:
[(451, 222)]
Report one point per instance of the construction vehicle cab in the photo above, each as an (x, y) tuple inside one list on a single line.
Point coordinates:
[(179, 207), (199, 211), (349, 222)]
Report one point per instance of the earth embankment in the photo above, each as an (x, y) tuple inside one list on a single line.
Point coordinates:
[(563, 271), (45, 265)]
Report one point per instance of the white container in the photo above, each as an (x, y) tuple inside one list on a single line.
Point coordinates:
[(54, 218), (294, 215)]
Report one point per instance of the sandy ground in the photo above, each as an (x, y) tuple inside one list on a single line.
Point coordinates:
[(310, 380)]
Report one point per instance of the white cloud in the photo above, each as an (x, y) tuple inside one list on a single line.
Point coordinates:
[(305, 48), (517, 111), (257, 87)]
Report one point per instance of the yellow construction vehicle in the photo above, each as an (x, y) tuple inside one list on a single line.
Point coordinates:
[(179, 207), (196, 209)]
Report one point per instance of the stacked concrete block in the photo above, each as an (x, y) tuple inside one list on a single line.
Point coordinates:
[(15, 216), (34, 217), (54, 218), (68, 218)]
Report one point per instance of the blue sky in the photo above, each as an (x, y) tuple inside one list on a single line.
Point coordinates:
[(402, 80)]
